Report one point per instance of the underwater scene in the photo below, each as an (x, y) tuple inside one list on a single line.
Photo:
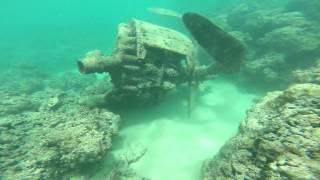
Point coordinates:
[(160, 90)]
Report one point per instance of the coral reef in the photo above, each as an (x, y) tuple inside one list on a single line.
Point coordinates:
[(50, 134), (288, 32), (18, 81), (279, 139), (309, 75), (122, 169), (310, 8), (71, 81), (16, 104), (271, 66)]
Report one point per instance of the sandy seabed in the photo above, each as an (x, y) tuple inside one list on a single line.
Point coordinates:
[(177, 144)]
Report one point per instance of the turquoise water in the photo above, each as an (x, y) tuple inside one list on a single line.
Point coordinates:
[(63, 31), (43, 91)]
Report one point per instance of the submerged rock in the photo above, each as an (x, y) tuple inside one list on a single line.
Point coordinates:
[(310, 75), (122, 169), (49, 134), (16, 104), (270, 66), (310, 8), (279, 139), (289, 33)]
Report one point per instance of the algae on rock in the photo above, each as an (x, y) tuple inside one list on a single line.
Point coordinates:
[(49, 134), (286, 31), (279, 139)]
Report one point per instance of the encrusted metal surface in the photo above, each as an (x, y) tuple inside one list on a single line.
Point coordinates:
[(162, 38)]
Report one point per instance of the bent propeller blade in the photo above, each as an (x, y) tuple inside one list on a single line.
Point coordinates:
[(228, 51)]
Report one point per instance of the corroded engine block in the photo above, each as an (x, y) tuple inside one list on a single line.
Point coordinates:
[(148, 61)]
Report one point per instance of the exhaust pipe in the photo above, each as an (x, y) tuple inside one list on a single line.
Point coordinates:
[(96, 62)]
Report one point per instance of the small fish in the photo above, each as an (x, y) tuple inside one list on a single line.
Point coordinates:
[(165, 12)]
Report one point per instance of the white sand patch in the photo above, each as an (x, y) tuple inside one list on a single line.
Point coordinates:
[(177, 145)]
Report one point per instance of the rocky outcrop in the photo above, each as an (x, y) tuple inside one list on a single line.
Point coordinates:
[(16, 104), (310, 8), (270, 66), (279, 139), (309, 75), (50, 134), (289, 33), (122, 169)]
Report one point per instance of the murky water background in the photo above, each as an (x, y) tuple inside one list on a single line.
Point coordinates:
[(51, 36)]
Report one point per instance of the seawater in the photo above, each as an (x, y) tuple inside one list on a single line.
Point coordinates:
[(53, 35), (63, 31)]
